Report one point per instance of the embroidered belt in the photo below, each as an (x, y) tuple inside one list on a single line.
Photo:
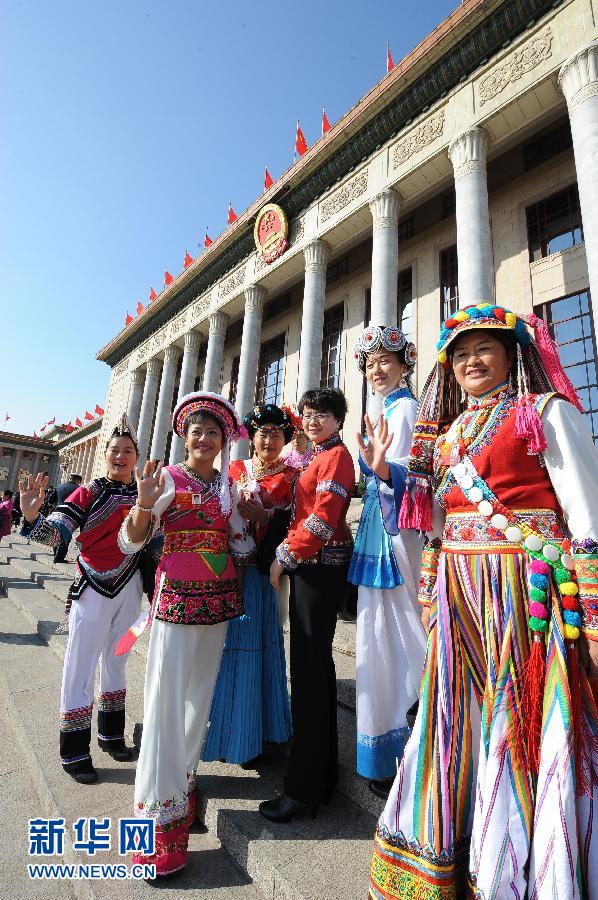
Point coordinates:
[(199, 540), (471, 532)]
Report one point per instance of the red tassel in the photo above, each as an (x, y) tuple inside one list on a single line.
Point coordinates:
[(528, 426), (549, 355), (532, 701), (584, 725), (416, 510)]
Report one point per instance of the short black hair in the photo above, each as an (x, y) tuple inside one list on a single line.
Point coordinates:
[(79, 478), (7, 494), (198, 418), (127, 435), (330, 400)]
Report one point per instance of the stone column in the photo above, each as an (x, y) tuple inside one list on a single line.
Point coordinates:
[(578, 79), (467, 153), (385, 209), (312, 323), (36, 464), (186, 385), (211, 375), (146, 413), (135, 396), (85, 461), (13, 475), (164, 410), (248, 362)]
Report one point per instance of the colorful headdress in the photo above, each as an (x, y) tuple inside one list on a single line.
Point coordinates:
[(390, 338), (296, 420), (537, 368), (124, 428), (269, 414), (205, 403)]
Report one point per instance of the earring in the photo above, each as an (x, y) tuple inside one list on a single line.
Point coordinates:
[(463, 395), (373, 391)]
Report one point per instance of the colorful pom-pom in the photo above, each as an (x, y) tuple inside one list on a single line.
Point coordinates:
[(510, 319), (537, 594), (571, 603), (539, 610), (537, 624), (562, 575), (500, 314), (442, 357), (569, 588), (538, 581), (460, 316), (571, 632), (450, 323), (572, 618), (540, 567)]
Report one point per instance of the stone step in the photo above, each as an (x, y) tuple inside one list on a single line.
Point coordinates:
[(270, 855)]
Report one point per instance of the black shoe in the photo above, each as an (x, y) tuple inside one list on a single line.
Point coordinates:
[(284, 808), (411, 715), (380, 787), (83, 772), (117, 750)]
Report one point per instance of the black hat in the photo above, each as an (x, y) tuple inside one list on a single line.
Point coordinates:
[(268, 414)]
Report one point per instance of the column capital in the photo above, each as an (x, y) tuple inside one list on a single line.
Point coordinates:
[(219, 322), (154, 366), (255, 295), (171, 355), (137, 376), (385, 208), (467, 152), (192, 340), (578, 76), (316, 256)]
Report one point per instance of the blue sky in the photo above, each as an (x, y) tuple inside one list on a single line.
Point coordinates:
[(127, 129)]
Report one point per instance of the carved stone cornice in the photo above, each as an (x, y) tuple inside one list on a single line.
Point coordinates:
[(421, 137), (255, 295), (233, 281), (385, 208), (316, 256), (219, 322), (121, 368), (344, 196), (467, 152), (517, 64), (297, 231), (578, 76)]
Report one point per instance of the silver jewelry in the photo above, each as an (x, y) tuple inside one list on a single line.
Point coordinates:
[(144, 508)]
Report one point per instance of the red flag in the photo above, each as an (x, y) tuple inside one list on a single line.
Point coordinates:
[(43, 428), (153, 295), (325, 123), (140, 307), (300, 142), (6, 417), (389, 60), (69, 428), (128, 319), (98, 410), (188, 260), (168, 279), (88, 416), (78, 423), (232, 216), (207, 241), (52, 421), (267, 180)]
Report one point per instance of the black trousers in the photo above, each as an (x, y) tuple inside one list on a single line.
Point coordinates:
[(315, 596), (60, 552)]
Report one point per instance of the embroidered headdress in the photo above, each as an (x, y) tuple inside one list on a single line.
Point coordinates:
[(269, 414), (388, 337), (205, 403), (124, 428)]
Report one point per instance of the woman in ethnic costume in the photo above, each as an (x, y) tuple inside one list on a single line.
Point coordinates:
[(197, 593), (104, 600), (251, 699), (390, 640), (495, 795), (316, 553), (6, 508)]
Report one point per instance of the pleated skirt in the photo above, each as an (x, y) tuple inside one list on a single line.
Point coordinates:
[(251, 701)]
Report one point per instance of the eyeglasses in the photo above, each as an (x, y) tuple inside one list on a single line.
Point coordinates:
[(318, 417)]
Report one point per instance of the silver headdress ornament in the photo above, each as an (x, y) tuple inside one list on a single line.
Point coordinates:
[(124, 428), (389, 337)]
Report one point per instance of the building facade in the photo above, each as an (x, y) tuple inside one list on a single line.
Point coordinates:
[(467, 174)]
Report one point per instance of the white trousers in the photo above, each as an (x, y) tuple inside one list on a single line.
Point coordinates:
[(95, 625), (182, 666)]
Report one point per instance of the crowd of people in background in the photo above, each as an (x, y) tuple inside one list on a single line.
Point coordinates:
[(476, 569)]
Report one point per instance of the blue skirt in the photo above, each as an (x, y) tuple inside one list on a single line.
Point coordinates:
[(251, 700), (373, 563)]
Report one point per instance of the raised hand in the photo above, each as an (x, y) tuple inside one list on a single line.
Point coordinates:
[(33, 494), (366, 450), (379, 440), (253, 511), (150, 485)]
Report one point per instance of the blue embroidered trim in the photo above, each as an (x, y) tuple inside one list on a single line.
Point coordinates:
[(334, 487), (318, 527)]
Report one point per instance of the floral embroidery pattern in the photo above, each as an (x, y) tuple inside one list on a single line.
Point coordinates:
[(319, 527), (199, 602)]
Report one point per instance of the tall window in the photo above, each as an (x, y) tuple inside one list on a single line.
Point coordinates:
[(269, 371), (332, 336), (234, 380), (554, 224), (405, 303), (449, 291), (569, 321)]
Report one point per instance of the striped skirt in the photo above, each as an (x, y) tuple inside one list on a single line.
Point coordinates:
[(464, 817)]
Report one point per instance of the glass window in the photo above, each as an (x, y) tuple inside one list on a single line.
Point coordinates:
[(234, 380), (554, 224), (570, 325), (449, 289), (331, 346), (405, 303), (270, 370), (337, 269)]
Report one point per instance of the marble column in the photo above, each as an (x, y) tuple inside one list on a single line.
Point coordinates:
[(164, 410), (146, 414), (211, 377), (248, 362), (135, 396), (578, 79), (85, 461), (186, 385), (13, 476), (467, 153), (385, 208), (312, 322), (36, 464)]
